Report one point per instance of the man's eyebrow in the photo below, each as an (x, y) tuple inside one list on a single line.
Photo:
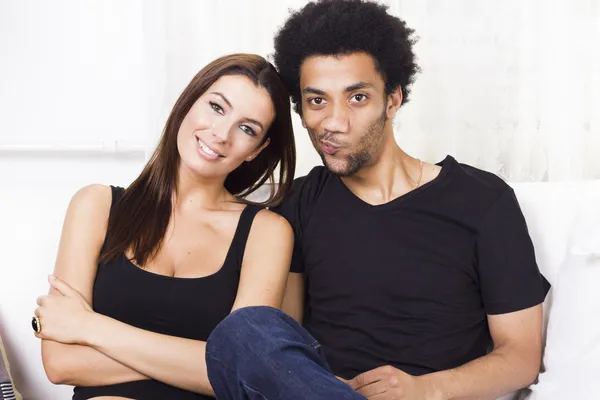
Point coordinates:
[(311, 90), (357, 86), (351, 88)]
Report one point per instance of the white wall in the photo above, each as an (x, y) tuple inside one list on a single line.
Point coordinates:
[(511, 86), (72, 73)]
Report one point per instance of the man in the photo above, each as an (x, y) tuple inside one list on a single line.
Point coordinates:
[(406, 273)]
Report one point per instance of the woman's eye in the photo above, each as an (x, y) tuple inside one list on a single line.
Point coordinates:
[(248, 130), (216, 107)]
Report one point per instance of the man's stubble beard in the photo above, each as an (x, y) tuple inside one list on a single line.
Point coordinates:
[(369, 146)]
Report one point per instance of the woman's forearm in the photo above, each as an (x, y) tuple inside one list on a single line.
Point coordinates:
[(77, 365), (172, 360)]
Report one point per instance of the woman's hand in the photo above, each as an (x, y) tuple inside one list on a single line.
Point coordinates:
[(64, 317)]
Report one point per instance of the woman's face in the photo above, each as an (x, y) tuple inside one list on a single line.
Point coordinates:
[(225, 127)]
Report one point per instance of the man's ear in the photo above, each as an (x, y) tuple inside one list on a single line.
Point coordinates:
[(394, 101), (256, 152)]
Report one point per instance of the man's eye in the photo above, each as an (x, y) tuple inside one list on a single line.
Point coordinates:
[(317, 101), (359, 97)]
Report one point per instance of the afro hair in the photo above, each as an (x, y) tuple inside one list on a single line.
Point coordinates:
[(340, 27)]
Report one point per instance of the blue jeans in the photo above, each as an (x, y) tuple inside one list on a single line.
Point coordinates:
[(260, 353)]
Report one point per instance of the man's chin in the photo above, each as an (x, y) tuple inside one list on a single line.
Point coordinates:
[(337, 168)]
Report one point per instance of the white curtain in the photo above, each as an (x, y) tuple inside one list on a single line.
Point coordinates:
[(510, 86), (184, 36)]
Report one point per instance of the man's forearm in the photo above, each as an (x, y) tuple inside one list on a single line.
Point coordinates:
[(499, 373)]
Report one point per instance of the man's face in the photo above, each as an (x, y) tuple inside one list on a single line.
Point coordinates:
[(344, 110)]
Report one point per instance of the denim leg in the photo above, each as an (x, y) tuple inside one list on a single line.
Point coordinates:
[(262, 353)]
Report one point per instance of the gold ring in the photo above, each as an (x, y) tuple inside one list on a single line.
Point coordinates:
[(36, 325)]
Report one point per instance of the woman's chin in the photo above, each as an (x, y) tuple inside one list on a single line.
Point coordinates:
[(204, 171)]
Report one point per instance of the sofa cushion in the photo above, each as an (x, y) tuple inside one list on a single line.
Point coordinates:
[(7, 389)]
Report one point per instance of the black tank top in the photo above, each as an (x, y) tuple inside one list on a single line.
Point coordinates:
[(183, 307)]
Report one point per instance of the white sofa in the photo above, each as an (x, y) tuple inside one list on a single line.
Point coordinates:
[(563, 219), (564, 222)]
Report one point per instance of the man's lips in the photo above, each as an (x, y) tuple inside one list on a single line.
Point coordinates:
[(328, 148)]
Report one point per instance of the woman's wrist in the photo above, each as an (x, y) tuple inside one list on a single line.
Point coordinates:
[(92, 328)]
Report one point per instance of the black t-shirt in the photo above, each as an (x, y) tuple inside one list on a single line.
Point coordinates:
[(409, 283)]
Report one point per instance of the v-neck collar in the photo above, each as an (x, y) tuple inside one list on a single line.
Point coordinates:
[(446, 165)]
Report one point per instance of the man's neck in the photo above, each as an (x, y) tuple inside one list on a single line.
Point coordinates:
[(392, 175)]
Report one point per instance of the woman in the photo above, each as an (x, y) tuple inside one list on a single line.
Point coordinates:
[(144, 274)]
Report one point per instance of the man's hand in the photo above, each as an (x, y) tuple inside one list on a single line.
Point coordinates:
[(389, 383)]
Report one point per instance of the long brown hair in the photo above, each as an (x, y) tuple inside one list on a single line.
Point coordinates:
[(140, 219)]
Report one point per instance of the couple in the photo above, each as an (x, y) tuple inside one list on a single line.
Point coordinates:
[(411, 280)]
